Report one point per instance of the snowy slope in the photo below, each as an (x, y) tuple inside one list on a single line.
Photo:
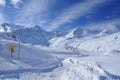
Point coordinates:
[(79, 55), (42, 63), (94, 43), (90, 39), (75, 70), (71, 69), (30, 56)]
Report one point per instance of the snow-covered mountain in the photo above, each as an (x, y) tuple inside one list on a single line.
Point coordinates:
[(90, 31), (8, 27), (33, 35), (81, 54), (37, 35), (97, 42)]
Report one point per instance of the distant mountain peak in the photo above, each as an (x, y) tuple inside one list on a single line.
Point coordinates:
[(9, 27), (37, 27)]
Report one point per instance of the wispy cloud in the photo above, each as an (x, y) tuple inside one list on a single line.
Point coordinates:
[(1, 18), (16, 3), (111, 25), (2, 2), (75, 11), (34, 12)]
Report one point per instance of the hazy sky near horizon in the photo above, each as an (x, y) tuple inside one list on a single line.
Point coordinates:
[(60, 14)]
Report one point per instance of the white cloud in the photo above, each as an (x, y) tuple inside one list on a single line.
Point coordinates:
[(1, 21), (1, 18), (16, 3), (34, 12), (2, 2), (111, 25), (75, 11)]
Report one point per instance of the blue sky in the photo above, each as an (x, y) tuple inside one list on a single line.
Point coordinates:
[(60, 14)]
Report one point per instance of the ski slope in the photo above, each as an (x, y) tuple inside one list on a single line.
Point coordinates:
[(43, 63)]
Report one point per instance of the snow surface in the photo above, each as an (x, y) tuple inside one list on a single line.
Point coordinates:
[(74, 56), (95, 43), (43, 63)]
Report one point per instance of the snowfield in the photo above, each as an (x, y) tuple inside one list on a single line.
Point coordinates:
[(77, 55), (95, 43), (43, 63)]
